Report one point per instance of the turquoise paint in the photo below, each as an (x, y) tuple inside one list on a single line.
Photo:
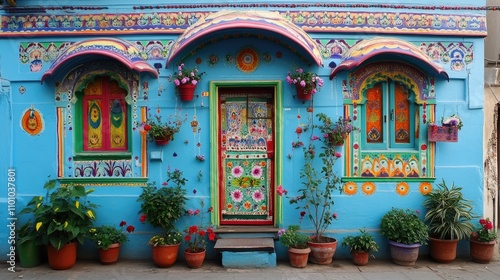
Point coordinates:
[(248, 259), (34, 157)]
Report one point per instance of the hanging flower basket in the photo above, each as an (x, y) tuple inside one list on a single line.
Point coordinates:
[(186, 91), (442, 133), (303, 93)]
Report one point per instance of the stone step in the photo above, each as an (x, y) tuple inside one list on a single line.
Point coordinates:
[(246, 232), (244, 244)]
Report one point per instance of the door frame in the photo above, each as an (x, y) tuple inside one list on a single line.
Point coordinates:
[(215, 175)]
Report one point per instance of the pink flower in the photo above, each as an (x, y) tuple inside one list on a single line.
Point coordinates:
[(335, 215), (338, 154), (300, 70), (191, 212), (194, 82), (280, 190), (302, 83)]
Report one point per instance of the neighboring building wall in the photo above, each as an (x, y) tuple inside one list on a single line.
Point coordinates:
[(36, 154)]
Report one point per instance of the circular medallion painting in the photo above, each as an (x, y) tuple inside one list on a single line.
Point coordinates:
[(32, 121), (247, 60)]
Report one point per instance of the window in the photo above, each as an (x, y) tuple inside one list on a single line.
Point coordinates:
[(389, 114), (104, 118)]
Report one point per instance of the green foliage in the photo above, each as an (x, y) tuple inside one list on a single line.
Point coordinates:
[(105, 236), (449, 213), (364, 242), (169, 238), (163, 206), (404, 226), (27, 232), (63, 216), (316, 195), (292, 238), (336, 131), (155, 128)]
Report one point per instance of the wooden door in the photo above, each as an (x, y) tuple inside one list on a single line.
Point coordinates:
[(246, 165)]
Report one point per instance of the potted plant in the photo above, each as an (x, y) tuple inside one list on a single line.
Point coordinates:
[(405, 233), (162, 207), (306, 83), (447, 132), (185, 81), (361, 247), (109, 240), (449, 217), (28, 246), (336, 132), (482, 241), (316, 196), (196, 238), (296, 242), (162, 132), (62, 219)]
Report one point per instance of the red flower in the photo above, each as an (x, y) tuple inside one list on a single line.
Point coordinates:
[(193, 229), (211, 236), (143, 218), (482, 221), (123, 223), (130, 228), (147, 127), (210, 230), (488, 225), (197, 212), (210, 210), (298, 130), (201, 232), (303, 213), (334, 215), (187, 238)]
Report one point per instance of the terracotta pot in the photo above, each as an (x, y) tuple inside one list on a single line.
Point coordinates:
[(194, 259), (360, 257), (186, 91), (322, 253), (298, 257), (161, 141), (110, 255), (443, 251), (165, 255), (404, 254), (64, 258), (482, 252), (302, 94)]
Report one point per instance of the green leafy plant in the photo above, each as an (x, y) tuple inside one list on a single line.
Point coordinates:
[(293, 238), (157, 129), (27, 232), (364, 242), (448, 213), (316, 196), (485, 232), (404, 226), (186, 76), (163, 206), (63, 215), (105, 236)]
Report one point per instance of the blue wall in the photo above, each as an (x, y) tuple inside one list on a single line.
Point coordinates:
[(34, 157)]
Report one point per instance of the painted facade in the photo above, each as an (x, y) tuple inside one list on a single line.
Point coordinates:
[(77, 88)]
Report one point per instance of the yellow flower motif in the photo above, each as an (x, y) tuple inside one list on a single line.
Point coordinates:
[(368, 188), (350, 188), (425, 188), (66, 224), (38, 225), (90, 214), (77, 204), (402, 188)]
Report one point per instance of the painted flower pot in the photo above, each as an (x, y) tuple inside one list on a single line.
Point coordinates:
[(165, 255), (29, 254), (443, 251), (161, 141), (186, 91), (194, 259), (322, 253), (298, 257), (64, 258), (360, 257), (302, 93), (404, 254), (110, 255), (482, 252)]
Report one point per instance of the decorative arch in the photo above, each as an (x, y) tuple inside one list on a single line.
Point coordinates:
[(412, 78)]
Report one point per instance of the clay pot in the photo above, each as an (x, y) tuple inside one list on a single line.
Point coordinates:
[(64, 258), (194, 259), (482, 252), (165, 255), (110, 255), (322, 253), (443, 250), (404, 254), (298, 257), (360, 257)]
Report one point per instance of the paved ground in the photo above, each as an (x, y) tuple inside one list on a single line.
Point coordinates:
[(339, 269)]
